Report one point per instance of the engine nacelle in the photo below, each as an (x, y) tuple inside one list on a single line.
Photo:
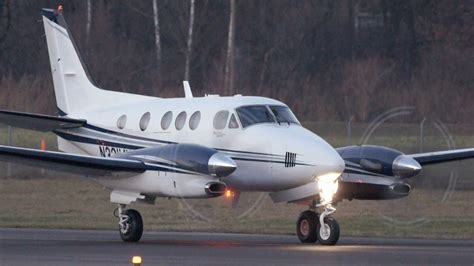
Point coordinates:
[(190, 157), (372, 191), (381, 160)]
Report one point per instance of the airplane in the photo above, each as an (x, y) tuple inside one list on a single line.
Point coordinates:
[(142, 147)]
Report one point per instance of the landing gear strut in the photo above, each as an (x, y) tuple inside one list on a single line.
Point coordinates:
[(130, 224), (312, 227)]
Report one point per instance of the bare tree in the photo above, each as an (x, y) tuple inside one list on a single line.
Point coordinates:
[(5, 6), (157, 33), (190, 40), (229, 67), (89, 19)]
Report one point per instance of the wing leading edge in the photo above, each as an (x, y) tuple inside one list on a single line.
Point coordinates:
[(443, 156), (37, 122), (89, 166)]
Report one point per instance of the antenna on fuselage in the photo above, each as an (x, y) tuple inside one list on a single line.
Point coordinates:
[(187, 90)]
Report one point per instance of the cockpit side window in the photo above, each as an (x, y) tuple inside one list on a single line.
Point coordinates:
[(220, 120), (233, 122), (283, 114), (254, 114)]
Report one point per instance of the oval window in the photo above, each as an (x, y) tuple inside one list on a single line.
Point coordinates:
[(180, 120), (166, 120), (220, 120), (144, 121), (194, 120), (122, 121)]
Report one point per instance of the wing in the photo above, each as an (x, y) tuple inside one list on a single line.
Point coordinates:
[(90, 166), (443, 156), (38, 122)]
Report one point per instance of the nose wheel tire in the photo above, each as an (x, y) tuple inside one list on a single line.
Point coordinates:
[(306, 227), (328, 233), (131, 226)]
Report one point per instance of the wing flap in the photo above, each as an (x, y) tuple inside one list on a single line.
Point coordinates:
[(90, 166), (443, 156), (37, 122)]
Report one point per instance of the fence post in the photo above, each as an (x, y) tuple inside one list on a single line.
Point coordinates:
[(422, 129), (9, 143)]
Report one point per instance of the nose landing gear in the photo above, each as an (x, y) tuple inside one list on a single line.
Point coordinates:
[(312, 227), (130, 224)]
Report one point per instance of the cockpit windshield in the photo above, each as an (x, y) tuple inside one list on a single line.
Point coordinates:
[(283, 114), (256, 114)]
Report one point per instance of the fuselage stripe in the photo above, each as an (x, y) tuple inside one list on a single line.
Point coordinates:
[(99, 140)]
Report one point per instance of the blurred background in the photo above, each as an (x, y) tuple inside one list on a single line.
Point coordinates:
[(339, 65), (328, 60)]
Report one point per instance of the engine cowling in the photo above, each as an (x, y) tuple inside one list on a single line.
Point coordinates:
[(189, 157), (381, 160), (372, 191)]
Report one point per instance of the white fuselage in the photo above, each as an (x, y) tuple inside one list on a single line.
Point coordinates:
[(262, 151), (269, 156)]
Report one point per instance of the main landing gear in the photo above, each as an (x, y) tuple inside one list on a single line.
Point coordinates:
[(312, 227), (130, 224)]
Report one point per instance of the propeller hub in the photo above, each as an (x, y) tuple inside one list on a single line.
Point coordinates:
[(221, 165), (405, 166)]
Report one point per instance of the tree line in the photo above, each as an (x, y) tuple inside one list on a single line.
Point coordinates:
[(328, 60)]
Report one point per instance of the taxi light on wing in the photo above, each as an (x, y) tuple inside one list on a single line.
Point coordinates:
[(328, 185)]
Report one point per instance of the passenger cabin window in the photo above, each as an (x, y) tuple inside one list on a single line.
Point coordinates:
[(254, 114), (194, 120), (283, 114), (220, 120), (144, 121), (233, 122), (122, 121), (166, 120), (180, 120)]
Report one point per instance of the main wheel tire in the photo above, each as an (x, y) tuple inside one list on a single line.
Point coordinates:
[(306, 227), (330, 238), (135, 223)]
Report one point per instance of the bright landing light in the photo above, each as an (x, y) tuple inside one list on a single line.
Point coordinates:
[(328, 185)]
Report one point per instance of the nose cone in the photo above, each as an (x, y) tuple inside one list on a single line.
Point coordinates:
[(331, 162), (315, 151), (220, 165), (405, 166), (325, 159)]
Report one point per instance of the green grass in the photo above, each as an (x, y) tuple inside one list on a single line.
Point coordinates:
[(33, 199), (68, 202)]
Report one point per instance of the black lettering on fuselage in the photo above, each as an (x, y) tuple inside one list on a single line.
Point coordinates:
[(102, 151), (106, 151)]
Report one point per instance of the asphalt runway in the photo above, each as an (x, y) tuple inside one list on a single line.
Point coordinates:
[(89, 247)]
